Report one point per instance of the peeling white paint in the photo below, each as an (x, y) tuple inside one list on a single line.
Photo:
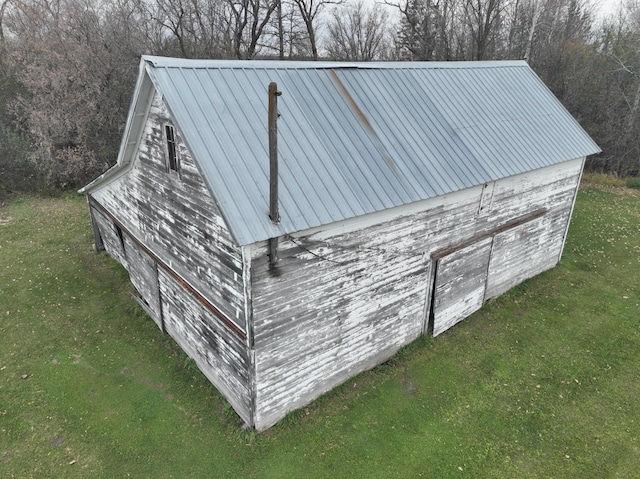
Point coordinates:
[(343, 297)]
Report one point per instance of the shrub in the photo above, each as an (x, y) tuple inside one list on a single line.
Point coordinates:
[(17, 170), (634, 183)]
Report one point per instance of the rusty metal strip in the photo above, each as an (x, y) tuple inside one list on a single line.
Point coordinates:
[(171, 272), (441, 253), (362, 117)]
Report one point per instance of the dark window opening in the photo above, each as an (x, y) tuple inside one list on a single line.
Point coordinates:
[(172, 151), (120, 236)]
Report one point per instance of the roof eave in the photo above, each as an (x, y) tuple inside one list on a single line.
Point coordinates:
[(136, 119)]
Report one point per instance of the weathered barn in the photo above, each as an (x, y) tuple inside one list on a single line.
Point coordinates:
[(409, 194)]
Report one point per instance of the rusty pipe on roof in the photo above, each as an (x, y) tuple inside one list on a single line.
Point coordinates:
[(274, 212)]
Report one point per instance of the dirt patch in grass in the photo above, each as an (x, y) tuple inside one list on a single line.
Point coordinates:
[(58, 441), (4, 221)]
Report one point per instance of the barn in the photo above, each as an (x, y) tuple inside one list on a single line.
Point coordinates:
[(291, 224)]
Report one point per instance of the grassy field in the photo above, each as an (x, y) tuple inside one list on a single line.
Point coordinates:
[(543, 382)]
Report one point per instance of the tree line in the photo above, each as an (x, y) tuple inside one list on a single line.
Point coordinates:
[(67, 67)]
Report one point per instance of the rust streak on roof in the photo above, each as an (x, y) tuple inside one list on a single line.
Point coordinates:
[(363, 118)]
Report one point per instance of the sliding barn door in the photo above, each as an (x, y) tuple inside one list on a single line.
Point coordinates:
[(143, 272), (520, 253), (459, 286)]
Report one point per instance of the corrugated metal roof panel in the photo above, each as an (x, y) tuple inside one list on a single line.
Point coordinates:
[(359, 138)]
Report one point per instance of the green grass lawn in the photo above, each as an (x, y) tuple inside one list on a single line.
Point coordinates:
[(543, 382)]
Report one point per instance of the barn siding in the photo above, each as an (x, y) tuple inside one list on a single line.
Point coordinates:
[(341, 301), (219, 354), (460, 284), (341, 298), (143, 271), (109, 235), (172, 233), (177, 219)]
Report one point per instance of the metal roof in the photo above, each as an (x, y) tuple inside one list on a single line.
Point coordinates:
[(359, 138)]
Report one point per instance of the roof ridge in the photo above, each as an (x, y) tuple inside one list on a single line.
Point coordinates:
[(201, 63)]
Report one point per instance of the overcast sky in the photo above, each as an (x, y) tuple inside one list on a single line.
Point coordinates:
[(601, 8), (606, 7)]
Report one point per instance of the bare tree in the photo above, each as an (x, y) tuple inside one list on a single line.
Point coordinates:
[(358, 33), (419, 29), (430, 30), (196, 28), (619, 111), (3, 7), (216, 28), (520, 24), (280, 30), (309, 12), (483, 17), (248, 20), (75, 82), (294, 33), (537, 10)]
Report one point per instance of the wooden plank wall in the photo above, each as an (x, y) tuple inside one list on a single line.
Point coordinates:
[(178, 220), (109, 235), (318, 323), (221, 355), (143, 272), (460, 284), (338, 304)]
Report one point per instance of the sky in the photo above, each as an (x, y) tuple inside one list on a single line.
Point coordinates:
[(604, 8)]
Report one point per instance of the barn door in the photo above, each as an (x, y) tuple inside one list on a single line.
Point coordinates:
[(520, 253), (143, 272), (459, 284)]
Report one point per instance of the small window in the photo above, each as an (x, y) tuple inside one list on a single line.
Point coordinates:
[(172, 148), (120, 236)]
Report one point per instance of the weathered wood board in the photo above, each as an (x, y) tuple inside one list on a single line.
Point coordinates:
[(176, 218), (460, 283), (143, 272), (110, 238), (219, 354), (345, 297), (320, 320), (521, 253), (177, 221)]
